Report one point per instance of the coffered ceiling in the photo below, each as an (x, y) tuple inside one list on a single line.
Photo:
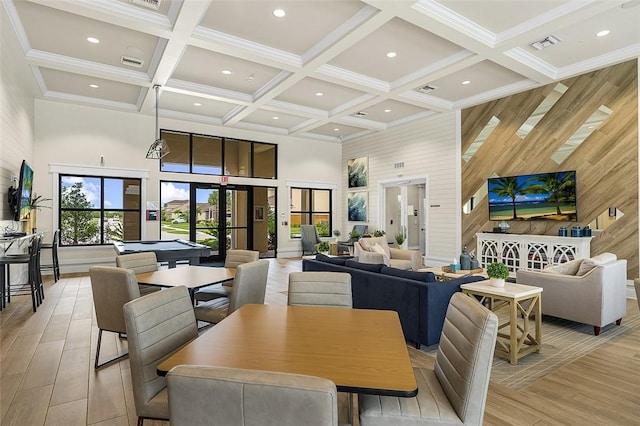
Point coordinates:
[(328, 69)]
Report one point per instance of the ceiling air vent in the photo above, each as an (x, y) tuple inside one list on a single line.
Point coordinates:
[(360, 114), (151, 4), (545, 42), (132, 62), (426, 88)]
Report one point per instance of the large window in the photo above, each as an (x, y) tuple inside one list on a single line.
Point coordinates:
[(218, 156), (310, 206), (99, 210)]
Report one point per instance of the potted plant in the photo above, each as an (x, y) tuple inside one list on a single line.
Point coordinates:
[(336, 233), (354, 235), (399, 238), (497, 272), (323, 247), (378, 233)]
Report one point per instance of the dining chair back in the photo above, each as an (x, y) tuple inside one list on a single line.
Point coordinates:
[(219, 396), (54, 266), (250, 286), (320, 289), (157, 325), (140, 263), (233, 258), (111, 288), (34, 285), (455, 391)]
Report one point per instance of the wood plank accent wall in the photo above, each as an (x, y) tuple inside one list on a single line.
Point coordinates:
[(606, 163)]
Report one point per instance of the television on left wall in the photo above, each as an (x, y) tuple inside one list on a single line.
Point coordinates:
[(23, 192)]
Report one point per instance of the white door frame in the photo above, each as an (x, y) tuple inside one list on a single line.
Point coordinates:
[(403, 182)]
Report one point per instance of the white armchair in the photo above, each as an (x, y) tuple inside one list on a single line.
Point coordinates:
[(376, 250), (590, 291)]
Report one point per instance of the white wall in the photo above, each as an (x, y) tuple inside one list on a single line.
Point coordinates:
[(79, 135), (16, 112), (429, 147)]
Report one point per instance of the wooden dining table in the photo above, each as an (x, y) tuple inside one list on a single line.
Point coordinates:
[(360, 350), (190, 276)]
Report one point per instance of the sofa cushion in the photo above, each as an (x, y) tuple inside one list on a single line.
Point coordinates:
[(567, 268), (368, 243), (371, 267), (590, 263), (336, 260), (425, 277), (401, 264)]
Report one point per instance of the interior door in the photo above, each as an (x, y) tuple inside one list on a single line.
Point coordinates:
[(404, 212)]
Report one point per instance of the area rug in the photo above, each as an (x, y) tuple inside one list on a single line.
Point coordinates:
[(562, 343)]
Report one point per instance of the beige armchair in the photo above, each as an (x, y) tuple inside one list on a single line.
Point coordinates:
[(455, 391), (202, 395), (590, 291), (376, 250)]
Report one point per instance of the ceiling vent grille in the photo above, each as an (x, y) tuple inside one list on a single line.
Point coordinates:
[(426, 88), (360, 114), (545, 42), (151, 4), (131, 61)]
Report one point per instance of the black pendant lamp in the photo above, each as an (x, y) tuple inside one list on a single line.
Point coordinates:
[(159, 148)]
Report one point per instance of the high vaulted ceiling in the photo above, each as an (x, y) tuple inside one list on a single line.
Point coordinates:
[(323, 70)]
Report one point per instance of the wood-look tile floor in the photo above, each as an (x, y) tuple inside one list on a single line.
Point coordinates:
[(47, 375)]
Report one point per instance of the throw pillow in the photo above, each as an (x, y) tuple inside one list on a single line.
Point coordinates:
[(601, 259), (425, 277), (368, 243), (377, 248), (371, 267), (567, 268)]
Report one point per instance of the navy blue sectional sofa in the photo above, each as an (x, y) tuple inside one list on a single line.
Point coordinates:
[(420, 301)]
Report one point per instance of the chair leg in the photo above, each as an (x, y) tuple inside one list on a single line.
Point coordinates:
[(619, 321), (140, 421), (596, 330), (96, 365)]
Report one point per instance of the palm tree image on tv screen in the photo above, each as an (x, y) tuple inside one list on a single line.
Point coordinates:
[(543, 196)]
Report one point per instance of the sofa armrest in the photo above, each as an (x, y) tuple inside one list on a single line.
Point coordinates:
[(370, 257), (412, 255)]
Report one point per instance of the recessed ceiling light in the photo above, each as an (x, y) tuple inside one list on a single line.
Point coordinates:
[(94, 86), (602, 33), (197, 104), (93, 40), (279, 13), (276, 118), (319, 94), (466, 82), (391, 54), (387, 110), (226, 72), (336, 129)]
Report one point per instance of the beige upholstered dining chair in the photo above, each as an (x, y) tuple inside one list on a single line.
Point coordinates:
[(250, 286), (157, 325), (455, 391), (320, 289), (218, 396), (234, 258), (111, 288), (139, 263)]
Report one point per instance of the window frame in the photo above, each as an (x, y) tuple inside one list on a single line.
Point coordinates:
[(310, 213)]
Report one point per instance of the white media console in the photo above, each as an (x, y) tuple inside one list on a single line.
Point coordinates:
[(529, 252)]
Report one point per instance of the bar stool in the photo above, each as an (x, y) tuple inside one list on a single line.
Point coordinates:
[(32, 260), (55, 264)]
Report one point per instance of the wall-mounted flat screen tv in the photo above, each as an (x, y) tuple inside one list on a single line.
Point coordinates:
[(542, 196), (25, 186)]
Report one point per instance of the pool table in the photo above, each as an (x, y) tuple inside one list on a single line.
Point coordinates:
[(166, 251)]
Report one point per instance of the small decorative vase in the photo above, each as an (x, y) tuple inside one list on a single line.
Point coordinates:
[(496, 282)]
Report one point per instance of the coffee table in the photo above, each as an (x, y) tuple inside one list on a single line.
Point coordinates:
[(520, 300), (442, 275)]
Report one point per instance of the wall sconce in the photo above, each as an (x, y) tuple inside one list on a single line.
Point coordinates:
[(612, 212)]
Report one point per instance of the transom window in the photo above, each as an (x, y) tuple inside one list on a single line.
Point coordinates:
[(310, 206), (214, 155)]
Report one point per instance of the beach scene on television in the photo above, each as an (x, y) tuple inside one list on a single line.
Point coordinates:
[(544, 196)]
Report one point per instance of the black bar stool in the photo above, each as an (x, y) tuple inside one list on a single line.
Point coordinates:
[(34, 281), (55, 264)]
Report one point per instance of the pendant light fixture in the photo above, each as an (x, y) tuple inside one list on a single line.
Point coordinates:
[(159, 148)]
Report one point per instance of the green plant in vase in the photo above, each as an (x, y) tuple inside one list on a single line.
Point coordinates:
[(336, 233), (354, 235), (323, 247), (497, 272), (378, 233), (399, 238)]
